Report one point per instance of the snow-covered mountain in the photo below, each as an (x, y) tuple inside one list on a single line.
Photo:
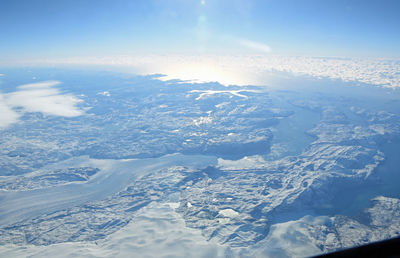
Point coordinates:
[(109, 164)]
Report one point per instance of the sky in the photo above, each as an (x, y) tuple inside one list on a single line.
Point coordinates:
[(57, 28)]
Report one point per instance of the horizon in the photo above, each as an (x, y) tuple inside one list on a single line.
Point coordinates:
[(42, 29)]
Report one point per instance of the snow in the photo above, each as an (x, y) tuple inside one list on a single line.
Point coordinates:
[(228, 213), (113, 177), (155, 231), (194, 169)]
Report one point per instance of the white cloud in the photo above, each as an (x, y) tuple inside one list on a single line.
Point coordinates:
[(37, 97), (249, 69), (8, 116), (36, 85), (47, 101), (104, 93), (257, 46)]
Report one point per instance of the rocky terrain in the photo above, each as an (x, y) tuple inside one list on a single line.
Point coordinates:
[(271, 165)]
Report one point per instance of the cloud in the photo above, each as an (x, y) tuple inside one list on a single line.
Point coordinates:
[(257, 46), (104, 93), (248, 69), (36, 85), (37, 97), (8, 116)]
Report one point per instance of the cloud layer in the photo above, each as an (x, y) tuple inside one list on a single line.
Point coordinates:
[(250, 69), (37, 97)]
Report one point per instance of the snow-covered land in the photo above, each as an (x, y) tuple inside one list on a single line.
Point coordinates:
[(174, 168)]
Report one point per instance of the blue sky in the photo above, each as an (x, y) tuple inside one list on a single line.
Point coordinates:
[(56, 28)]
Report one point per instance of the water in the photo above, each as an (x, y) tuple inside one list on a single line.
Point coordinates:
[(351, 199), (290, 135)]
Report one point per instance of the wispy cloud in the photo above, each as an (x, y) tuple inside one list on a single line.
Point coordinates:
[(254, 45), (37, 97), (37, 85)]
